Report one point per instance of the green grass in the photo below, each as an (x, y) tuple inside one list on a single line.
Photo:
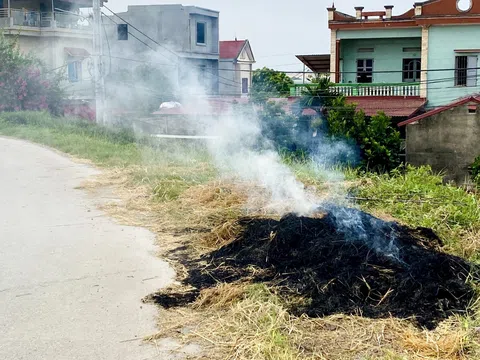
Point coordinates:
[(417, 197)]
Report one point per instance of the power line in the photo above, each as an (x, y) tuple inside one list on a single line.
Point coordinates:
[(144, 43), (140, 61), (311, 73), (141, 32)]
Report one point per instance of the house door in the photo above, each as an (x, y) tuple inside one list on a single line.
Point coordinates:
[(364, 71), (244, 85)]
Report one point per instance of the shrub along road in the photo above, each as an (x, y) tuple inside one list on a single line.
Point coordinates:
[(71, 279)]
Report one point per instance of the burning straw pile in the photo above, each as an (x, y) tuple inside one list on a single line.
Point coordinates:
[(321, 268)]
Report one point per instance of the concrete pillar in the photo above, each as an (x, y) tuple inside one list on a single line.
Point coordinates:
[(333, 55), (418, 9), (359, 12), (388, 11), (424, 74), (331, 13)]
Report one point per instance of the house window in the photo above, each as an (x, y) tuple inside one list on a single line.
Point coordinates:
[(74, 70), (364, 71), (411, 70), (201, 27), (466, 70), (244, 85), (412, 49)]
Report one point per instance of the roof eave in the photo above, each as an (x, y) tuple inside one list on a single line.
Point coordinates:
[(441, 109)]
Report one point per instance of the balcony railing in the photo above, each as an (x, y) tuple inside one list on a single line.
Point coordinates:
[(402, 89), (37, 19)]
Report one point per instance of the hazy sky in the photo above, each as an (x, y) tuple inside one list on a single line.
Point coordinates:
[(277, 29)]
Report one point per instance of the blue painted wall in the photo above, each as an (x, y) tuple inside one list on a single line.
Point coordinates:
[(443, 41), (388, 55)]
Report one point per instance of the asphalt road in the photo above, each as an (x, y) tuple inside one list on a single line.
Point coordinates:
[(71, 279)]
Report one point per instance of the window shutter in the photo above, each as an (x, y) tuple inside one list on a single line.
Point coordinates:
[(122, 31), (72, 76), (472, 71)]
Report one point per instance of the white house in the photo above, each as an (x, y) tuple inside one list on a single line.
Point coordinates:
[(235, 67), (57, 33)]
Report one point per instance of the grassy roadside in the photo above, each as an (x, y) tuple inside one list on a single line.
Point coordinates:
[(172, 189)]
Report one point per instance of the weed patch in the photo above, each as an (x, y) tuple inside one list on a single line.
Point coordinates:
[(417, 197)]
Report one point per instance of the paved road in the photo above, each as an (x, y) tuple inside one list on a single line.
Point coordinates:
[(71, 279)]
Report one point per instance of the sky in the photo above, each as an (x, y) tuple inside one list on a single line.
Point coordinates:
[(277, 29)]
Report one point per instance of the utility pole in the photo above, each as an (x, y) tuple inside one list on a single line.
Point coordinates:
[(98, 71)]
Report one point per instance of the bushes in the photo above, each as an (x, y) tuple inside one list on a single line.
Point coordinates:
[(378, 141), (25, 83), (476, 171)]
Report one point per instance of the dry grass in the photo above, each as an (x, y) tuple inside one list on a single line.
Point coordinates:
[(220, 297), (238, 321), (470, 245), (448, 341)]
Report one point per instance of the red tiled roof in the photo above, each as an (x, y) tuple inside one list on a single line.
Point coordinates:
[(472, 98), (231, 49), (391, 106)]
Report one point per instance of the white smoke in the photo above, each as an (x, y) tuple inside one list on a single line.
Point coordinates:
[(241, 149)]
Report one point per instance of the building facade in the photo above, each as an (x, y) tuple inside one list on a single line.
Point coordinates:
[(431, 51), (181, 40), (57, 34), (236, 62)]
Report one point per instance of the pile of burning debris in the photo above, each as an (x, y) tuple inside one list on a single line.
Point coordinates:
[(343, 261)]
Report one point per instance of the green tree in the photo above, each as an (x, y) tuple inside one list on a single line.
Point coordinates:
[(268, 83), (25, 82), (318, 95), (377, 139)]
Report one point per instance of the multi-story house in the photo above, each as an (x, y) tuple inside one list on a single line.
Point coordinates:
[(394, 63), (57, 33), (179, 39)]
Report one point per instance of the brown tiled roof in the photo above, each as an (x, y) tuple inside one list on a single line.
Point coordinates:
[(391, 106)]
